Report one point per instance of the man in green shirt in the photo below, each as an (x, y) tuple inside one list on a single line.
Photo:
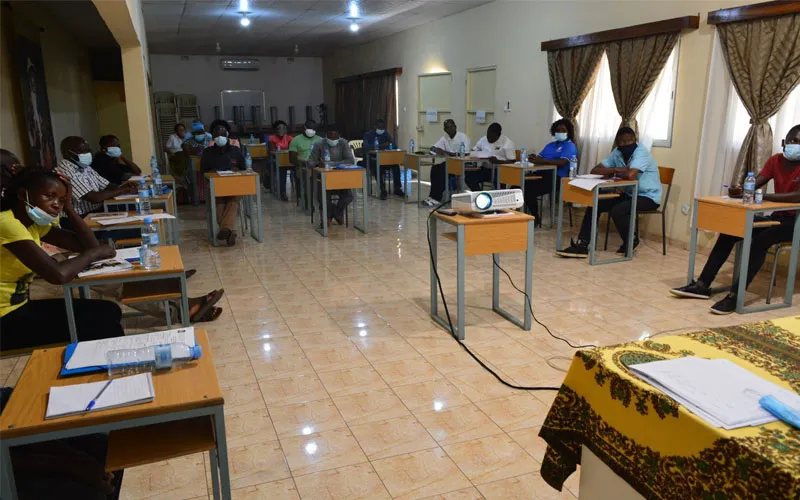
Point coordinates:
[(300, 149)]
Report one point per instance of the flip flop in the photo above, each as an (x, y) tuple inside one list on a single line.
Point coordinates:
[(190, 273), (208, 302), (210, 315)]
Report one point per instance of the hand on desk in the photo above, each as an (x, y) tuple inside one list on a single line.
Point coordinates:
[(735, 192), (102, 252)]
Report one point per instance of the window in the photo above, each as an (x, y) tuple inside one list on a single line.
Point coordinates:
[(656, 114)]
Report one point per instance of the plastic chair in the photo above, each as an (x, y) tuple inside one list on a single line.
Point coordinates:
[(354, 145)]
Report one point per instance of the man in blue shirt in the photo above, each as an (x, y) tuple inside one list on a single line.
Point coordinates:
[(628, 161), (381, 136)]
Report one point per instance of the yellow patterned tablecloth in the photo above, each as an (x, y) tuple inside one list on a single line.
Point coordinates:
[(657, 446)]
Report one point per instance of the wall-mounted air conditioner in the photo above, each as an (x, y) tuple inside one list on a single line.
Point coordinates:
[(247, 64)]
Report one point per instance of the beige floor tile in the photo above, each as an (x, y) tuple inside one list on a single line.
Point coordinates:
[(524, 487), (178, 479), (292, 390), (449, 362), (433, 395), (516, 412), (479, 385), (322, 340), (276, 490), (461, 423), (531, 442), (353, 482), (491, 458), (306, 418), (352, 381), (405, 371), (290, 364), (420, 474), (335, 358), (321, 451), (256, 463), (235, 373), (231, 352), (371, 406), (248, 427), (465, 494), (392, 437), (381, 349), (242, 398)]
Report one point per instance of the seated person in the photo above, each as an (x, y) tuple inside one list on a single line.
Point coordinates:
[(223, 156), (340, 152), (556, 153), (111, 164), (175, 154), (627, 161), (9, 166), (384, 141), (447, 145), (784, 170), (501, 149), (197, 140), (280, 141), (300, 148)]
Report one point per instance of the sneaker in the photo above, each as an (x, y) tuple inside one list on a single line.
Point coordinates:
[(725, 306), (384, 196), (623, 250), (693, 290), (574, 251), (429, 202)]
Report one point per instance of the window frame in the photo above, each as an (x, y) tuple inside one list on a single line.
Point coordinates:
[(667, 143)]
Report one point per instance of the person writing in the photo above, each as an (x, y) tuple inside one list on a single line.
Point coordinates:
[(497, 149), (784, 170), (378, 135), (556, 153), (223, 156), (628, 161), (340, 152), (109, 162), (300, 148), (447, 145), (280, 141)]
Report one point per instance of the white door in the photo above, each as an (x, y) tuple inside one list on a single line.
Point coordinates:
[(434, 95), (480, 97)]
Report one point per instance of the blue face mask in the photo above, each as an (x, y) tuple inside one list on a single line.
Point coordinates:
[(221, 141), (37, 215), (332, 143), (791, 152), (560, 136), (114, 151), (200, 137)]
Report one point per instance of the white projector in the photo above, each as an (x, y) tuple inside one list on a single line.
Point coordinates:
[(484, 201)]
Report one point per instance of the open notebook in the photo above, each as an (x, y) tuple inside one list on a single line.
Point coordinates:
[(125, 391)]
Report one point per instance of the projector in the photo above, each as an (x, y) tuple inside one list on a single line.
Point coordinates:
[(484, 201)]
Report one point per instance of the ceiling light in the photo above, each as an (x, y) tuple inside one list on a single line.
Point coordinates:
[(244, 6), (353, 27), (245, 21), (353, 10)]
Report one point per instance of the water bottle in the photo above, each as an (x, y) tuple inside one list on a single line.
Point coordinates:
[(248, 162), (749, 189), (573, 167), (391, 146), (759, 196), (376, 143), (158, 183), (328, 158), (725, 190), (411, 146), (149, 257), (125, 362), (462, 149), (252, 139), (523, 157), (143, 202)]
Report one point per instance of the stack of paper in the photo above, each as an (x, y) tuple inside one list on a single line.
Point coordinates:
[(93, 352), (717, 390), (226, 172), (107, 266), (108, 215), (126, 196), (125, 391), (586, 184), (110, 221)]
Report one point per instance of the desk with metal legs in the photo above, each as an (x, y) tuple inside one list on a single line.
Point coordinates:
[(382, 157), (243, 184), (458, 167), (334, 179), (413, 162), (280, 159), (490, 236), (730, 216)]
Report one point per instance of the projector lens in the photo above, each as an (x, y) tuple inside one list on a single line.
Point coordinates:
[(483, 201)]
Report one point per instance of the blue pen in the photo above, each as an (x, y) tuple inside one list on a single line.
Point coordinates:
[(94, 401), (781, 410)]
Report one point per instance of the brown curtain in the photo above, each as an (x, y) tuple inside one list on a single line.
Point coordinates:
[(359, 102), (763, 59), (572, 73), (635, 64), (348, 99)]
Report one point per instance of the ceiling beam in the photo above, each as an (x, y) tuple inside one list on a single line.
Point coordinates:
[(753, 11), (362, 76), (640, 30)]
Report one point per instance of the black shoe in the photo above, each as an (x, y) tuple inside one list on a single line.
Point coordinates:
[(623, 250), (384, 196), (725, 306), (575, 250), (339, 219), (399, 192), (693, 290), (284, 197)]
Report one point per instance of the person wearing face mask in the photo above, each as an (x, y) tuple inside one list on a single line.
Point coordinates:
[(384, 140), (784, 170), (300, 149), (196, 141), (223, 156), (556, 153), (501, 150), (111, 164), (280, 141), (340, 152), (627, 161), (447, 145)]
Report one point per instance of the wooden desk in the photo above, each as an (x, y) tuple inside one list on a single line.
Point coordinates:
[(185, 417), (571, 194), (243, 184), (193, 174), (458, 167), (171, 268), (280, 159), (516, 175), (732, 217), (475, 236), (166, 202), (383, 157), (413, 162), (355, 178)]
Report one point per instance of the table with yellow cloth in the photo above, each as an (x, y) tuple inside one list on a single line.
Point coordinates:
[(657, 446)]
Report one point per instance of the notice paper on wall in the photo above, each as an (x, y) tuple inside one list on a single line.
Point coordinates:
[(432, 116), (480, 116)]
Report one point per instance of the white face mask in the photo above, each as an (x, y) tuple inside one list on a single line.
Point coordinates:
[(310, 132), (221, 140), (113, 151), (560, 136), (85, 158), (380, 131), (332, 142)]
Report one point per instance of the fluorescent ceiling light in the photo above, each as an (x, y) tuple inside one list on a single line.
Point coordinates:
[(245, 21), (353, 9), (353, 27), (244, 6)]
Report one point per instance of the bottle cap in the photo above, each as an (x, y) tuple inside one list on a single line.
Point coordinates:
[(197, 351), (142, 181), (749, 174), (148, 220)]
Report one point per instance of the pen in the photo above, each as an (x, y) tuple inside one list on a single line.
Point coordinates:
[(94, 401)]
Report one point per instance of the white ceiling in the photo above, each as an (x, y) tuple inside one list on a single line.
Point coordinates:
[(317, 26)]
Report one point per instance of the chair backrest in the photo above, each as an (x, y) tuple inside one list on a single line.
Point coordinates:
[(163, 97), (666, 174), (357, 143)]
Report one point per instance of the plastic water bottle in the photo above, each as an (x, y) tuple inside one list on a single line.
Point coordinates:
[(573, 167), (759, 196), (149, 256), (411, 146), (523, 157), (143, 202), (376, 144), (158, 183), (248, 162), (462, 150), (327, 158), (252, 139), (749, 189), (391, 146), (125, 362)]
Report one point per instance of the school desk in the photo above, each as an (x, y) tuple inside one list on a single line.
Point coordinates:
[(280, 159), (243, 184), (489, 236), (512, 174), (354, 178), (186, 417), (572, 194), (166, 202), (458, 167), (413, 162), (95, 226), (732, 217), (382, 158)]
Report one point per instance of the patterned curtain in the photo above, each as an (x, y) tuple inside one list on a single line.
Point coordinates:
[(359, 102), (348, 107), (572, 73), (635, 64), (763, 59)]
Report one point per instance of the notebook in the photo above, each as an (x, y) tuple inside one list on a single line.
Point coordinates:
[(107, 266), (125, 391)]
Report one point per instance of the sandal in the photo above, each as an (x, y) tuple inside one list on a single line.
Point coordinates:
[(190, 273), (224, 234), (210, 315), (208, 302)]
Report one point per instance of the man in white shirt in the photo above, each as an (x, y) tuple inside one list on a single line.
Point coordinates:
[(499, 148), (448, 145)]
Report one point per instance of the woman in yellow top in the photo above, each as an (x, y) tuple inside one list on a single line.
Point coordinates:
[(30, 213)]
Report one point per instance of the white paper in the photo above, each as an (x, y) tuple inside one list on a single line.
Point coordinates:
[(718, 391), (586, 184), (124, 391), (480, 154), (226, 172), (128, 253), (432, 115), (108, 215), (125, 197), (480, 116), (93, 352), (132, 218), (106, 266), (136, 178), (590, 176)]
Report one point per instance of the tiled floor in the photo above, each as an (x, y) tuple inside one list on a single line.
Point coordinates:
[(338, 386)]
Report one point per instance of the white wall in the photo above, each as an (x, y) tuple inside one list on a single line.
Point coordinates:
[(284, 84)]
